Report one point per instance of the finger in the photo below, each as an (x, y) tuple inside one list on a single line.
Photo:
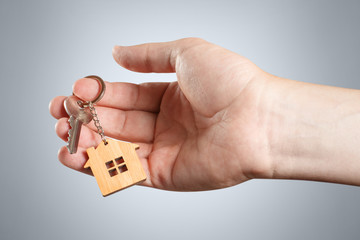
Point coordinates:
[(147, 182), (125, 96), (74, 161), (153, 57), (56, 107), (132, 126), (89, 138), (78, 160)]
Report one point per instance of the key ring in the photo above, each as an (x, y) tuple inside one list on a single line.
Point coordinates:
[(102, 91)]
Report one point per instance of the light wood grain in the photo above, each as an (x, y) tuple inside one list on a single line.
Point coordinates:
[(105, 153)]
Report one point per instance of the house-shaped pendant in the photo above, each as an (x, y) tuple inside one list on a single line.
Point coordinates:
[(115, 166)]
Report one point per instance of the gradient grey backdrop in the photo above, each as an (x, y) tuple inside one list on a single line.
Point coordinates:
[(47, 45)]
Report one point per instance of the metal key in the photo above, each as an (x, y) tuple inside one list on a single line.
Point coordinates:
[(78, 116)]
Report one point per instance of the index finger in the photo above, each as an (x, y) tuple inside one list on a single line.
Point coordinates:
[(125, 96)]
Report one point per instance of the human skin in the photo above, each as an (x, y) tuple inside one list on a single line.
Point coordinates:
[(224, 121)]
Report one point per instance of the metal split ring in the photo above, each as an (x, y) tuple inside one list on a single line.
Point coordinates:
[(101, 93)]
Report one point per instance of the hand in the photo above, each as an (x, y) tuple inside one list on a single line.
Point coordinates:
[(201, 132)]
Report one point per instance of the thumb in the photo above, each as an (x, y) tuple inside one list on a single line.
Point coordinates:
[(152, 57), (149, 57)]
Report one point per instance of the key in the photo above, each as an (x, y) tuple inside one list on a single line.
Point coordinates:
[(78, 117)]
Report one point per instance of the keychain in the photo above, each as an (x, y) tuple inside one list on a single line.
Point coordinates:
[(115, 164)]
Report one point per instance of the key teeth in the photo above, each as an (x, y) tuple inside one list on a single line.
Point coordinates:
[(70, 132), (71, 121)]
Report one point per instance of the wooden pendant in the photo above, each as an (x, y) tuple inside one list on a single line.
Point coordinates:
[(115, 166)]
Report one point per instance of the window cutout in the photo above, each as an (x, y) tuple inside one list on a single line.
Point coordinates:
[(113, 172), (109, 164), (123, 169), (119, 160)]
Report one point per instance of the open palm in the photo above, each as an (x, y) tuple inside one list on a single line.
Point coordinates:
[(201, 132)]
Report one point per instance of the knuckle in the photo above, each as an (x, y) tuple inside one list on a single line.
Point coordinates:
[(192, 40)]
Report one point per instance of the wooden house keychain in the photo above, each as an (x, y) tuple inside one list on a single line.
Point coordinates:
[(115, 164)]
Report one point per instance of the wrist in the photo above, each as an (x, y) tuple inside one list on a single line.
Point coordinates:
[(312, 131)]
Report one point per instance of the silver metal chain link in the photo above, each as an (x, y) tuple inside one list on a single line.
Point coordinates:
[(100, 130)]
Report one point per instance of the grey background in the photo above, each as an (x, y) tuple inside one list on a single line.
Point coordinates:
[(47, 45)]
